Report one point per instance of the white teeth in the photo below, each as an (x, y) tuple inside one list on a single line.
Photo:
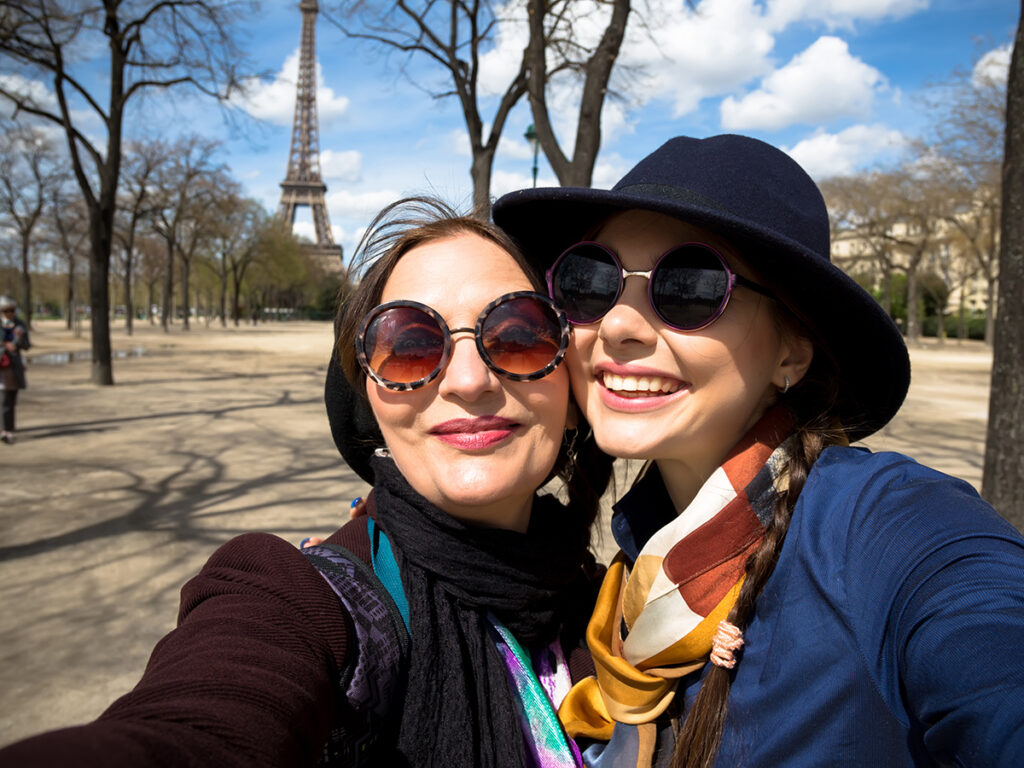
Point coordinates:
[(639, 383)]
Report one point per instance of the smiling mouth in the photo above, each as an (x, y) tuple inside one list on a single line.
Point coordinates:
[(639, 386)]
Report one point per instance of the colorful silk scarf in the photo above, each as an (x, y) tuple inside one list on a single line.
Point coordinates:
[(546, 743), (653, 623)]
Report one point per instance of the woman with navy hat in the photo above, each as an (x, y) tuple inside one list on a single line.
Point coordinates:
[(856, 608)]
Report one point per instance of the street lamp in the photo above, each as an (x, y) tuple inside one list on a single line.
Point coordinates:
[(531, 136)]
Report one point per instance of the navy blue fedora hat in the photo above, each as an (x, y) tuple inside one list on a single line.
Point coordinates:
[(766, 205)]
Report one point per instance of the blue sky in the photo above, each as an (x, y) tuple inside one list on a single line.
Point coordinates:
[(834, 82)]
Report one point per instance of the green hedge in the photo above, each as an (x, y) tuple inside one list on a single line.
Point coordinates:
[(975, 326)]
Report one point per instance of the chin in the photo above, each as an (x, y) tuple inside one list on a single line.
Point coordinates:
[(629, 441)]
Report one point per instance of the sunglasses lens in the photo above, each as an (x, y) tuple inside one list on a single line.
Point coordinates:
[(689, 287), (585, 282), (404, 345), (522, 336)]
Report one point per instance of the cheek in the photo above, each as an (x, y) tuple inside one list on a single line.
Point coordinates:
[(548, 401), (394, 410), (575, 361)]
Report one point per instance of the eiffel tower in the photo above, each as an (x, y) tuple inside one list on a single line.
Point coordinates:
[(302, 184)]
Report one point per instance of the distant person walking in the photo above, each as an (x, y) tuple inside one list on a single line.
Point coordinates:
[(12, 367)]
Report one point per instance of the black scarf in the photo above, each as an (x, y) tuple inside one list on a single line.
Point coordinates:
[(458, 707)]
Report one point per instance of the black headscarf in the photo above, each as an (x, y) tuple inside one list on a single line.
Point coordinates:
[(458, 709)]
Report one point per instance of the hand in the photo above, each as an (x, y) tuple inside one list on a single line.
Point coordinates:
[(358, 508)]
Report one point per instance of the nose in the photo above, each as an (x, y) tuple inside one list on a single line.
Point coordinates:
[(466, 376), (631, 320)]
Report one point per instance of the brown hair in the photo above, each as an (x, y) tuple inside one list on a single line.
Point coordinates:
[(814, 402), (415, 221)]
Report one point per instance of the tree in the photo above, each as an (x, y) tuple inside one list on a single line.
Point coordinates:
[(553, 35), (453, 34), (30, 173), (142, 162), (281, 273), (1003, 478), (968, 132), (243, 226), (179, 180), (144, 46), (149, 268), (198, 230), (70, 239), (957, 271), (935, 296), (915, 204), (859, 214)]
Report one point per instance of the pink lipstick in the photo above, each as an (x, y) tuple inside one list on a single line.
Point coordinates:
[(475, 434)]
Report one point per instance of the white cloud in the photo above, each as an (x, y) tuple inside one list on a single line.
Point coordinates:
[(360, 204), (609, 169), (36, 91), (821, 84), (456, 142), (500, 65), (993, 67), (685, 56), (305, 230), (346, 166), (839, 13), (840, 154), (274, 101), (503, 182), (350, 213), (514, 145)]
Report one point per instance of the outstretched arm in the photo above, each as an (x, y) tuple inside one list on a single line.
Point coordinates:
[(247, 678)]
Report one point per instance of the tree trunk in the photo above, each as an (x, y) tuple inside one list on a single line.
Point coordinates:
[(480, 172), (185, 303), (236, 308), (26, 283), (129, 307), (913, 330), (991, 304), (102, 371), (70, 319), (168, 293), (1003, 479), (961, 325), (223, 303), (887, 287), (579, 171)]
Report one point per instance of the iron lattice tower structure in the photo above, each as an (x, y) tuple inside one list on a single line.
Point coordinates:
[(303, 184)]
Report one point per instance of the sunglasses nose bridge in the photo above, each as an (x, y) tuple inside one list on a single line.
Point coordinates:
[(646, 274), (466, 373)]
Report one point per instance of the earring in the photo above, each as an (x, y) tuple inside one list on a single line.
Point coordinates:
[(569, 441), (382, 453), (785, 389)]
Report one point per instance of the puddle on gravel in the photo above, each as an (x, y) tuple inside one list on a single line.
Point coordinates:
[(83, 355)]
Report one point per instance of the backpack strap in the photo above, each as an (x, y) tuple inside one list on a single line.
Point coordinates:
[(386, 569), (375, 677)]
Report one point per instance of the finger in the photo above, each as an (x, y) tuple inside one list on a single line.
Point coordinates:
[(358, 509)]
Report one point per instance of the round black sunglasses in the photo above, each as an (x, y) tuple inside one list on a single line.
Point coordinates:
[(689, 286), (404, 345)]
